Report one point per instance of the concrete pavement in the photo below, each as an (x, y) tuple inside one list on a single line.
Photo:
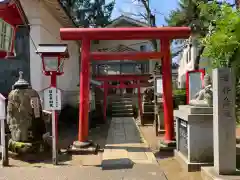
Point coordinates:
[(139, 172), (125, 146)]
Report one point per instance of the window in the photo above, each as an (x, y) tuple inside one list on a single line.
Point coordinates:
[(138, 68), (95, 41), (143, 48), (6, 35)]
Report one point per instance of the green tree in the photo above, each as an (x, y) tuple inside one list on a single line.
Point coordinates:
[(89, 13), (197, 15), (222, 45), (191, 13)]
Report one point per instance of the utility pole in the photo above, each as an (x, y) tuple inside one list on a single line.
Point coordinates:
[(237, 2), (146, 4), (148, 13)]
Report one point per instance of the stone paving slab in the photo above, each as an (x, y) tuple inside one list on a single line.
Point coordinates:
[(125, 145), (138, 172)]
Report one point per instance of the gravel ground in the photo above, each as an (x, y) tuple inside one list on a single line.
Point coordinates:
[(66, 136)]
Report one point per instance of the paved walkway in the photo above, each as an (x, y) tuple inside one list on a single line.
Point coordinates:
[(139, 172), (125, 146)]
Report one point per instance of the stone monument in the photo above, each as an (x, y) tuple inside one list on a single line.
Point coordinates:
[(194, 130), (24, 117), (224, 127)]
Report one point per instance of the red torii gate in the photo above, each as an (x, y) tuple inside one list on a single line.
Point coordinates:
[(121, 79), (165, 34)]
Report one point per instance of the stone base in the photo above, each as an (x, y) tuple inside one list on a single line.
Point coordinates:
[(161, 131), (147, 118), (84, 148), (190, 167), (209, 173), (167, 145), (117, 163), (195, 109), (26, 148)]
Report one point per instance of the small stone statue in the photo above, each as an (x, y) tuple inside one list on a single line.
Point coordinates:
[(148, 95), (204, 98)]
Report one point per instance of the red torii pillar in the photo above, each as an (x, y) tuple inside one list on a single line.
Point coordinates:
[(165, 34), (84, 91), (167, 90)]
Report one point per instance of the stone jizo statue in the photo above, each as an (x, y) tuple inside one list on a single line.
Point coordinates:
[(204, 98)]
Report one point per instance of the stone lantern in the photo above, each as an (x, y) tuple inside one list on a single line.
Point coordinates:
[(24, 117)]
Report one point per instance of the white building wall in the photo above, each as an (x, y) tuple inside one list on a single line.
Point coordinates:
[(187, 62), (50, 33), (134, 44), (32, 11), (46, 29)]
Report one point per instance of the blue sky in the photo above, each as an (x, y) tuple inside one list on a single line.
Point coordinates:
[(162, 8)]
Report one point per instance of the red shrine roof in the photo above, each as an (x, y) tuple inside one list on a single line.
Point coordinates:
[(12, 12)]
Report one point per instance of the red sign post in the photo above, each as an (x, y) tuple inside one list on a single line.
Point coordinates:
[(52, 63)]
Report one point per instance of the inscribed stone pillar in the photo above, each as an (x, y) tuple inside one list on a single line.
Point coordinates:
[(224, 121)]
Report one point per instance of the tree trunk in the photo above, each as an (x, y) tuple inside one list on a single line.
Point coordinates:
[(197, 60), (237, 2), (151, 21)]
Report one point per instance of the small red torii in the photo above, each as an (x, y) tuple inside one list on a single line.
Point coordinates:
[(121, 78), (164, 34)]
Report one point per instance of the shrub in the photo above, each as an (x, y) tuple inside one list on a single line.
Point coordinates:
[(179, 97)]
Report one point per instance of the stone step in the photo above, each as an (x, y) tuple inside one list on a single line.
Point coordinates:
[(122, 110), (120, 97), (123, 98), (196, 110), (148, 104), (121, 106), (122, 114), (116, 103)]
